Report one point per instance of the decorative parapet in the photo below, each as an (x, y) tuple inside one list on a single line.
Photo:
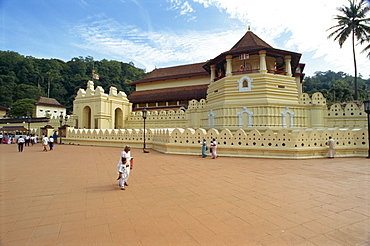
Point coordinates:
[(303, 143), (349, 115), (318, 99)]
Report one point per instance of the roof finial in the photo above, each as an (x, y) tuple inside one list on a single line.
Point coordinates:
[(249, 28)]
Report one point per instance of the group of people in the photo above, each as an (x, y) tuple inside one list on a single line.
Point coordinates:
[(213, 148), (47, 142), (26, 140)]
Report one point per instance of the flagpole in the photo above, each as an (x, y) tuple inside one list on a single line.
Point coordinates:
[(93, 71)]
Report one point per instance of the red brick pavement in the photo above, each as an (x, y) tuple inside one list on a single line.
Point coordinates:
[(70, 196)]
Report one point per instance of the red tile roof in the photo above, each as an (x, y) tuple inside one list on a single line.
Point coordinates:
[(178, 72), (49, 102), (169, 94), (250, 41)]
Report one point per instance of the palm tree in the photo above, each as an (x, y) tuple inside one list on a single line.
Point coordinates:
[(352, 22)]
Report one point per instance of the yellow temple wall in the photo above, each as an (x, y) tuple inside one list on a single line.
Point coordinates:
[(299, 144), (155, 119)]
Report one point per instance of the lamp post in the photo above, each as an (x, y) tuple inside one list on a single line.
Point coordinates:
[(60, 128), (144, 117), (367, 110), (29, 122)]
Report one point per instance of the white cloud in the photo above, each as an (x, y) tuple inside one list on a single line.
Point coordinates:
[(183, 8), (152, 49)]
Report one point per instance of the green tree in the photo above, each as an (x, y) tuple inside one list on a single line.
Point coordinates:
[(22, 106), (353, 21)]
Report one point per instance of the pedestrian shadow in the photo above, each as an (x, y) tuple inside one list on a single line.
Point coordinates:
[(105, 187)]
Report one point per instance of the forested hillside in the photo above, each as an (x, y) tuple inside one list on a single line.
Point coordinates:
[(336, 87), (28, 77)]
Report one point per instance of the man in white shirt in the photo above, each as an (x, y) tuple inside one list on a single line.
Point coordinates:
[(20, 142)]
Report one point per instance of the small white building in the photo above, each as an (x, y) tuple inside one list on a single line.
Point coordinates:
[(49, 107)]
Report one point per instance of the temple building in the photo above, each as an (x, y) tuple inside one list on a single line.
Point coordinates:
[(249, 99), (251, 86)]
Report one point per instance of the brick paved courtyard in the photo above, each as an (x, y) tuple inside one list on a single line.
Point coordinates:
[(70, 196)]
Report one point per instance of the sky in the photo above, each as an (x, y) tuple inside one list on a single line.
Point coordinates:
[(164, 33)]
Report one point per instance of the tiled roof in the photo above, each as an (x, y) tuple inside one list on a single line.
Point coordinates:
[(49, 102), (4, 108), (169, 94), (13, 128), (177, 72), (250, 41)]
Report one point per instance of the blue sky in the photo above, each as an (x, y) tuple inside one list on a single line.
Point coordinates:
[(163, 33)]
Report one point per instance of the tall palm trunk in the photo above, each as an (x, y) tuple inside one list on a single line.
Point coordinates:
[(355, 64)]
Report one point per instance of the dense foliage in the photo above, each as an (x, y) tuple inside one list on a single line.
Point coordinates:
[(29, 78), (336, 87)]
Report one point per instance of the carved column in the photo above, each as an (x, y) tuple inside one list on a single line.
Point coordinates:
[(288, 67), (213, 73), (229, 67), (263, 67)]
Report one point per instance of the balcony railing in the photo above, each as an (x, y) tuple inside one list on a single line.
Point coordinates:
[(239, 72), (219, 77), (245, 71)]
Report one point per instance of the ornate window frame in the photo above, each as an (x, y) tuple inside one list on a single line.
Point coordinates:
[(242, 83), (240, 116)]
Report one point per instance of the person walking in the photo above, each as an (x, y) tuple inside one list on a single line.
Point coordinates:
[(1, 138), (51, 143), (45, 142), (124, 166), (27, 140), (214, 148), (331, 144), (204, 148), (20, 142), (32, 139)]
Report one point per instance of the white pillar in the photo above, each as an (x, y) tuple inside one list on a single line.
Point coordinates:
[(229, 65), (263, 67), (213, 73), (288, 67)]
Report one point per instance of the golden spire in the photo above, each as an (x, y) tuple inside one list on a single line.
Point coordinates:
[(249, 28)]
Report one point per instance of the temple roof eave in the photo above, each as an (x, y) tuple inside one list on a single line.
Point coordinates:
[(163, 78), (169, 94), (177, 72)]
